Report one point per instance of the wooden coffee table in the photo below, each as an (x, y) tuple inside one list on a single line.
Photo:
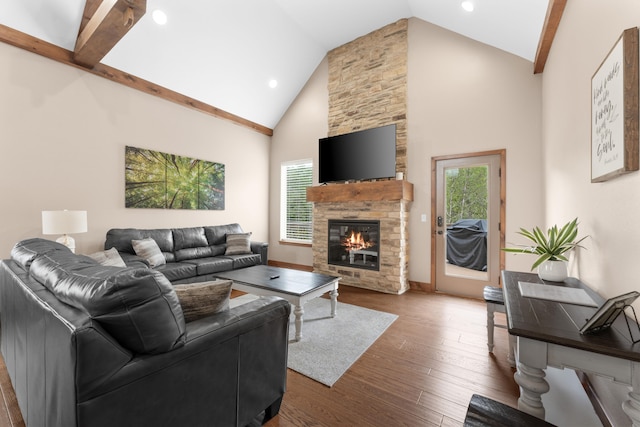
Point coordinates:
[(296, 286)]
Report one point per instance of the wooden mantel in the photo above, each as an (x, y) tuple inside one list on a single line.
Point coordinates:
[(374, 191)]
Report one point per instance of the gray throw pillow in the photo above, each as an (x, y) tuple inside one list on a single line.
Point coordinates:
[(148, 249), (110, 257), (238, 244), (203, 299)]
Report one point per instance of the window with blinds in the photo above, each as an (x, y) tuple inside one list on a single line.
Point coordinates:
[(295, 212)]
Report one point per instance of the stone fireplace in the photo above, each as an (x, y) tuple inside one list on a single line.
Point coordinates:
[(367, 89), (385, 203), (354, 244)]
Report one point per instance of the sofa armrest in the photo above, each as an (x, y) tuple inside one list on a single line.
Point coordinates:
[(207, 335), (245, 317), (261, 248), (232, 368)]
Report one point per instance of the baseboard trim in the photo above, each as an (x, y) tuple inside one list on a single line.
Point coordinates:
[(421, 287), (290, 265)]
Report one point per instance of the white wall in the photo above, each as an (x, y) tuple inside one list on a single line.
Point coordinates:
[(463, 97), (294, 138), (467, 97), (62, 138), (608, 211)]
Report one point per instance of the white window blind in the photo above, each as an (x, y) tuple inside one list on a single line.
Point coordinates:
[(296, 213)]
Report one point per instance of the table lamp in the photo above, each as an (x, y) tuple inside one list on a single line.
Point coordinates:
[(64, 222)]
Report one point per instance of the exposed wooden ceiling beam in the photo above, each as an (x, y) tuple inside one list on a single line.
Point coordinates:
[(108, 21), (551, 23), (64, 56), (90, 8)]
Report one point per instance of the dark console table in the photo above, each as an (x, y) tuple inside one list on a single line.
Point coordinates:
[(548, 334)]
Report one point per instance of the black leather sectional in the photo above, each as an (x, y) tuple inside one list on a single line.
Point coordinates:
[(192, 254), (88, 345)]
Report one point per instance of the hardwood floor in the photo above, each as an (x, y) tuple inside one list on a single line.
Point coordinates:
[(421, 372), (10, 415)]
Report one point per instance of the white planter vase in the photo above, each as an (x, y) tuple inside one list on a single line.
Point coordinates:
[(553, 271)]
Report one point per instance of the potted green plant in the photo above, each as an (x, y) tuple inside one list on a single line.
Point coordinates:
[(550, 248)]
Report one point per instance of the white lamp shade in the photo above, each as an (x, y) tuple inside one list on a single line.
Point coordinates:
[(64, 222)]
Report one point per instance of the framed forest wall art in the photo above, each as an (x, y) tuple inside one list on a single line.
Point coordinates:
[(167, 181), (614, 111)]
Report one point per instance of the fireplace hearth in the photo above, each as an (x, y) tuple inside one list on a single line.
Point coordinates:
[(354, 243)]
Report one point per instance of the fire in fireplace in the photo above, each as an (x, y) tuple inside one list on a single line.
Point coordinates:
[(354, 243)]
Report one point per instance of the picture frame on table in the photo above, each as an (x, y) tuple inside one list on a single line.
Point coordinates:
[(614, 111), (608, 312)]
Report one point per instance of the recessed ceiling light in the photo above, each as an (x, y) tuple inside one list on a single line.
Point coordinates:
[(467, 5), (159, 17), (273, 83)]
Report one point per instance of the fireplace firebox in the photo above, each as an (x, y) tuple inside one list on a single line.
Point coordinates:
[(354, 243)]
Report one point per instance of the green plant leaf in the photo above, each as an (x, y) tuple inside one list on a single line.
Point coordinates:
[(540, 260), (550, 245)]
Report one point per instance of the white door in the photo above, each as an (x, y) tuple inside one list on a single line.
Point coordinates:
[(469, 192)]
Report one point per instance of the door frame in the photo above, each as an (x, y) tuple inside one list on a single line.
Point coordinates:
[(503, 204)]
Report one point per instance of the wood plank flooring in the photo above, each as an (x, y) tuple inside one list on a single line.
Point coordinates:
[(10, 415), (421, 372)]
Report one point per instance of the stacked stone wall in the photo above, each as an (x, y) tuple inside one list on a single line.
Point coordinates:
[(368, 89), (368, 85)]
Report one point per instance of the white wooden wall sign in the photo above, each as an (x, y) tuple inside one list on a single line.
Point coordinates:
[(614, 111)]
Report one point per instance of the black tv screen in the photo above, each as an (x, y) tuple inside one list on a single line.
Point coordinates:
[(362, 155)]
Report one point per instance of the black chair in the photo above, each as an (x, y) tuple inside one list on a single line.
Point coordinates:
[(485, 412)]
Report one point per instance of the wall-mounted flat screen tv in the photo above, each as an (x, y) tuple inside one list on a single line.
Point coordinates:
[(362, 155)]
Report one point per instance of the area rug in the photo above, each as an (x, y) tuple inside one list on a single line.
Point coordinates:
[(329, 346)]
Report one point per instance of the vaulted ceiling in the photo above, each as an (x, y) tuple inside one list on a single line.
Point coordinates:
[(224, 53)]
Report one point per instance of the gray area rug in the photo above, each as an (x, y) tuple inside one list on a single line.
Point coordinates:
[(329, 346)]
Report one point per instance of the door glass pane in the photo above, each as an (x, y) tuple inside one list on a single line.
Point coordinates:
[(466, 210)]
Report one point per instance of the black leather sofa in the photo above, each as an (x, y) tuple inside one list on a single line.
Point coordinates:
[(192, 254), (88, 345)]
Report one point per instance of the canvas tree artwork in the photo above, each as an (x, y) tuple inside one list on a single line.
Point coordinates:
[(167, 181)]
